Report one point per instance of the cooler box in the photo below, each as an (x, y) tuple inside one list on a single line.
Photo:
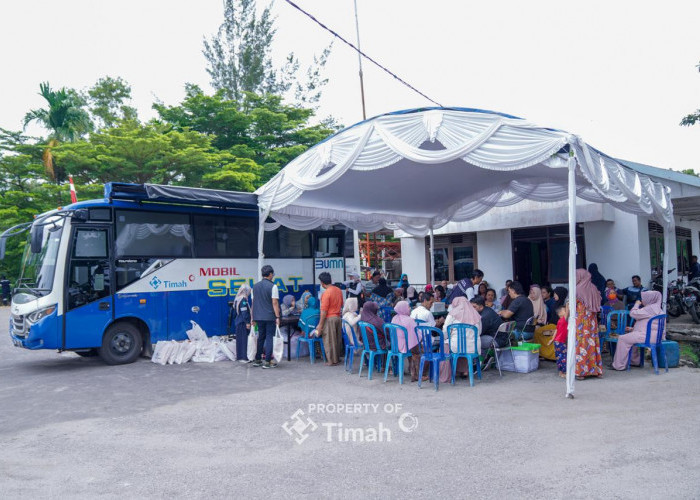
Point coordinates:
[(673, 354), (524, 358)]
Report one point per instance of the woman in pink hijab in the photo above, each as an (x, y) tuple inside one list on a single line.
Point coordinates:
[(538, 306), (642, 312), (403, 318), (460, 311), (589, 362)]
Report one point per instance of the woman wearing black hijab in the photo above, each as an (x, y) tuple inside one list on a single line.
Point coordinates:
[(382, 289), (597, 279), (560, 293)]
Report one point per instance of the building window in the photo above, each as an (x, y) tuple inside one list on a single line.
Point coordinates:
[(683, 250), (541, 254), (656, 249), (455, 256)]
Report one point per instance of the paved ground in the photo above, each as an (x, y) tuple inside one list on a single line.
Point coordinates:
[(74, 427)]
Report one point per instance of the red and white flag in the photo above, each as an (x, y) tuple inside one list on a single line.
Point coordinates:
[(73, 196)]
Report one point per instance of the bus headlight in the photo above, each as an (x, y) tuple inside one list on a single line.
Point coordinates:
[(37, 316)]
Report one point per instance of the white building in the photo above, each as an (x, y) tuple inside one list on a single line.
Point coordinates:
[(528, 241)]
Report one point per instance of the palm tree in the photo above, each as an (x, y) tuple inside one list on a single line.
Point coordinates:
[(64, 118)]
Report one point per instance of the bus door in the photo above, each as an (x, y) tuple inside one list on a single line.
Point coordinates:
[(88, 296), (329, 254)]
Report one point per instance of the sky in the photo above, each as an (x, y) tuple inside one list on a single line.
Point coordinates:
[(620, 74)]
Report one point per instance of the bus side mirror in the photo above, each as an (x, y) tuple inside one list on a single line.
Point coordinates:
[(36, 238), (80, 215), (2, 248)]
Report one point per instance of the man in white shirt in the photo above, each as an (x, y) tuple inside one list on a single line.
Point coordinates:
[(422, 311)]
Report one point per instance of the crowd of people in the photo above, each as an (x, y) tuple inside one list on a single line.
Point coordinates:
[(471, 301)]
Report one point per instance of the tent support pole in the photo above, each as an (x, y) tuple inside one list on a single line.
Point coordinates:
[(669, 248), (261, 240), (432, 256), (571, 340)]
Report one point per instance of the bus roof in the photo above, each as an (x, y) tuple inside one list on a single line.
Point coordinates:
[(180, 195)]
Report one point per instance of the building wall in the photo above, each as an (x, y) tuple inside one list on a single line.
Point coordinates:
[(413, 255), (620, 248), (495, 256), (617, 241)]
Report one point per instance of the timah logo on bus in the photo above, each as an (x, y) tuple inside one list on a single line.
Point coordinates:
[(218, 271), (155, 283)]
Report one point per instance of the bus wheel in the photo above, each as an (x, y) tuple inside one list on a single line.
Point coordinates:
[(121, 344)]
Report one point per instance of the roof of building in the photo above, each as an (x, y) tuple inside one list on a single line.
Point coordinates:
[(661, 173)]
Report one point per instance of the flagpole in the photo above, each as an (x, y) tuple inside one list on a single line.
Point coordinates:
[(359, 60)]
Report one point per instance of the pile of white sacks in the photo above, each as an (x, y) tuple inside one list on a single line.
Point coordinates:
[(197, 348)]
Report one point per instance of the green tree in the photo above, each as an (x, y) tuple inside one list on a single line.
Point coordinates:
[(239, 58), (64, 117), (258, 128), (692, 118), (108, 98), (153, 153)]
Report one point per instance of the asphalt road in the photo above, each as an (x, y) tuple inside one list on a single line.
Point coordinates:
[(73, 427)]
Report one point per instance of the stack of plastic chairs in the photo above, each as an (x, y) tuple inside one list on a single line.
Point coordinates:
[(392, 331), (373, 355), (461, 330)]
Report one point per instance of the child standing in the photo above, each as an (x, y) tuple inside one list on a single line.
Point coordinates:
[(559, 339)]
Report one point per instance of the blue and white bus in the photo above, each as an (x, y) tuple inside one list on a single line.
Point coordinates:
[(114, 276)]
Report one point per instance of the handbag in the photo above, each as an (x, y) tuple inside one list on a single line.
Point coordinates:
[(277, 346), (252, 343)]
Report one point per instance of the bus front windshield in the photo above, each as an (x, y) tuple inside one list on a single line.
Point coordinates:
[(38, 269)]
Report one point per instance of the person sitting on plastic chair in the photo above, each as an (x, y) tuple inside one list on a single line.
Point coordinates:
[(520, 310), (642, 312)]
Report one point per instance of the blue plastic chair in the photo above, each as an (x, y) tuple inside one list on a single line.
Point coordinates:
[(350, 347), (385, 313), (373, 355), (307, 328), (428, 356), (393, 331), (652, 344), (462, 330), (620, 319)]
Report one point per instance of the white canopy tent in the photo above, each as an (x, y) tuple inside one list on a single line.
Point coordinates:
[(418, 170)]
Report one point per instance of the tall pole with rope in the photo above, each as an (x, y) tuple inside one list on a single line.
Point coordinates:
[(359, 61), (356, 234)]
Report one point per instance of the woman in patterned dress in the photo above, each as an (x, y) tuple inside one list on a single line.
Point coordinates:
[(589, 362)]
